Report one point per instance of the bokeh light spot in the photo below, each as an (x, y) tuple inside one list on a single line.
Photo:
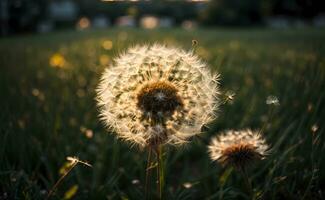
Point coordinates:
[(107, 45), (83, 23), (104, 60), (57, 60)]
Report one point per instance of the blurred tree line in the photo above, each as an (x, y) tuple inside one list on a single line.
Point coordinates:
[(177, 10), (24, 15), (253, 12)]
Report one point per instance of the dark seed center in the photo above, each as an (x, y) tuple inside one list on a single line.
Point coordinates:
[(159, 97), (240, 154)]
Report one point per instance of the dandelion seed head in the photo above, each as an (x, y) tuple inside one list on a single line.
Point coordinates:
[(272, 100), (238, 148), (156, 95)]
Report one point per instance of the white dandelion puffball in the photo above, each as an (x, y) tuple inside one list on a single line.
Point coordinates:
[(155, 95), (238, 148)]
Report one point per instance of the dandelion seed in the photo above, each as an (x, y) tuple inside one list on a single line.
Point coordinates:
[(238, 148), (310, 107), (135, 182), (187, 185), (314, 128), (74, 160), (230, 96), (272, 100), (155, 95)]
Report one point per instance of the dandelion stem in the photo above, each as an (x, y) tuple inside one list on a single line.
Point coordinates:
[(148, 173), (160, 171), (247, 182)]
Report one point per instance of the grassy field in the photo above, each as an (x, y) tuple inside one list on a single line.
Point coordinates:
[(48, 113)]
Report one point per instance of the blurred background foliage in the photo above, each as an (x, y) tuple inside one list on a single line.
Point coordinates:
[(48, 113), (20, 16), (52, 53), (254, 12)]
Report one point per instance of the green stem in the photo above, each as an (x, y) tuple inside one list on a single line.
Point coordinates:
[(148, 173), (247, 182), (160, 171)]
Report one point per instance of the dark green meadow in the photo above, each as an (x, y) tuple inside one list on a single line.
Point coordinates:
[(48, 112)]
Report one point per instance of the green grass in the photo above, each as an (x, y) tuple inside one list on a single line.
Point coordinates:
[(45, 111)]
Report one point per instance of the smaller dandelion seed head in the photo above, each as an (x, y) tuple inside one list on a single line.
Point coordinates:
[(272, 100), (238, 148)]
